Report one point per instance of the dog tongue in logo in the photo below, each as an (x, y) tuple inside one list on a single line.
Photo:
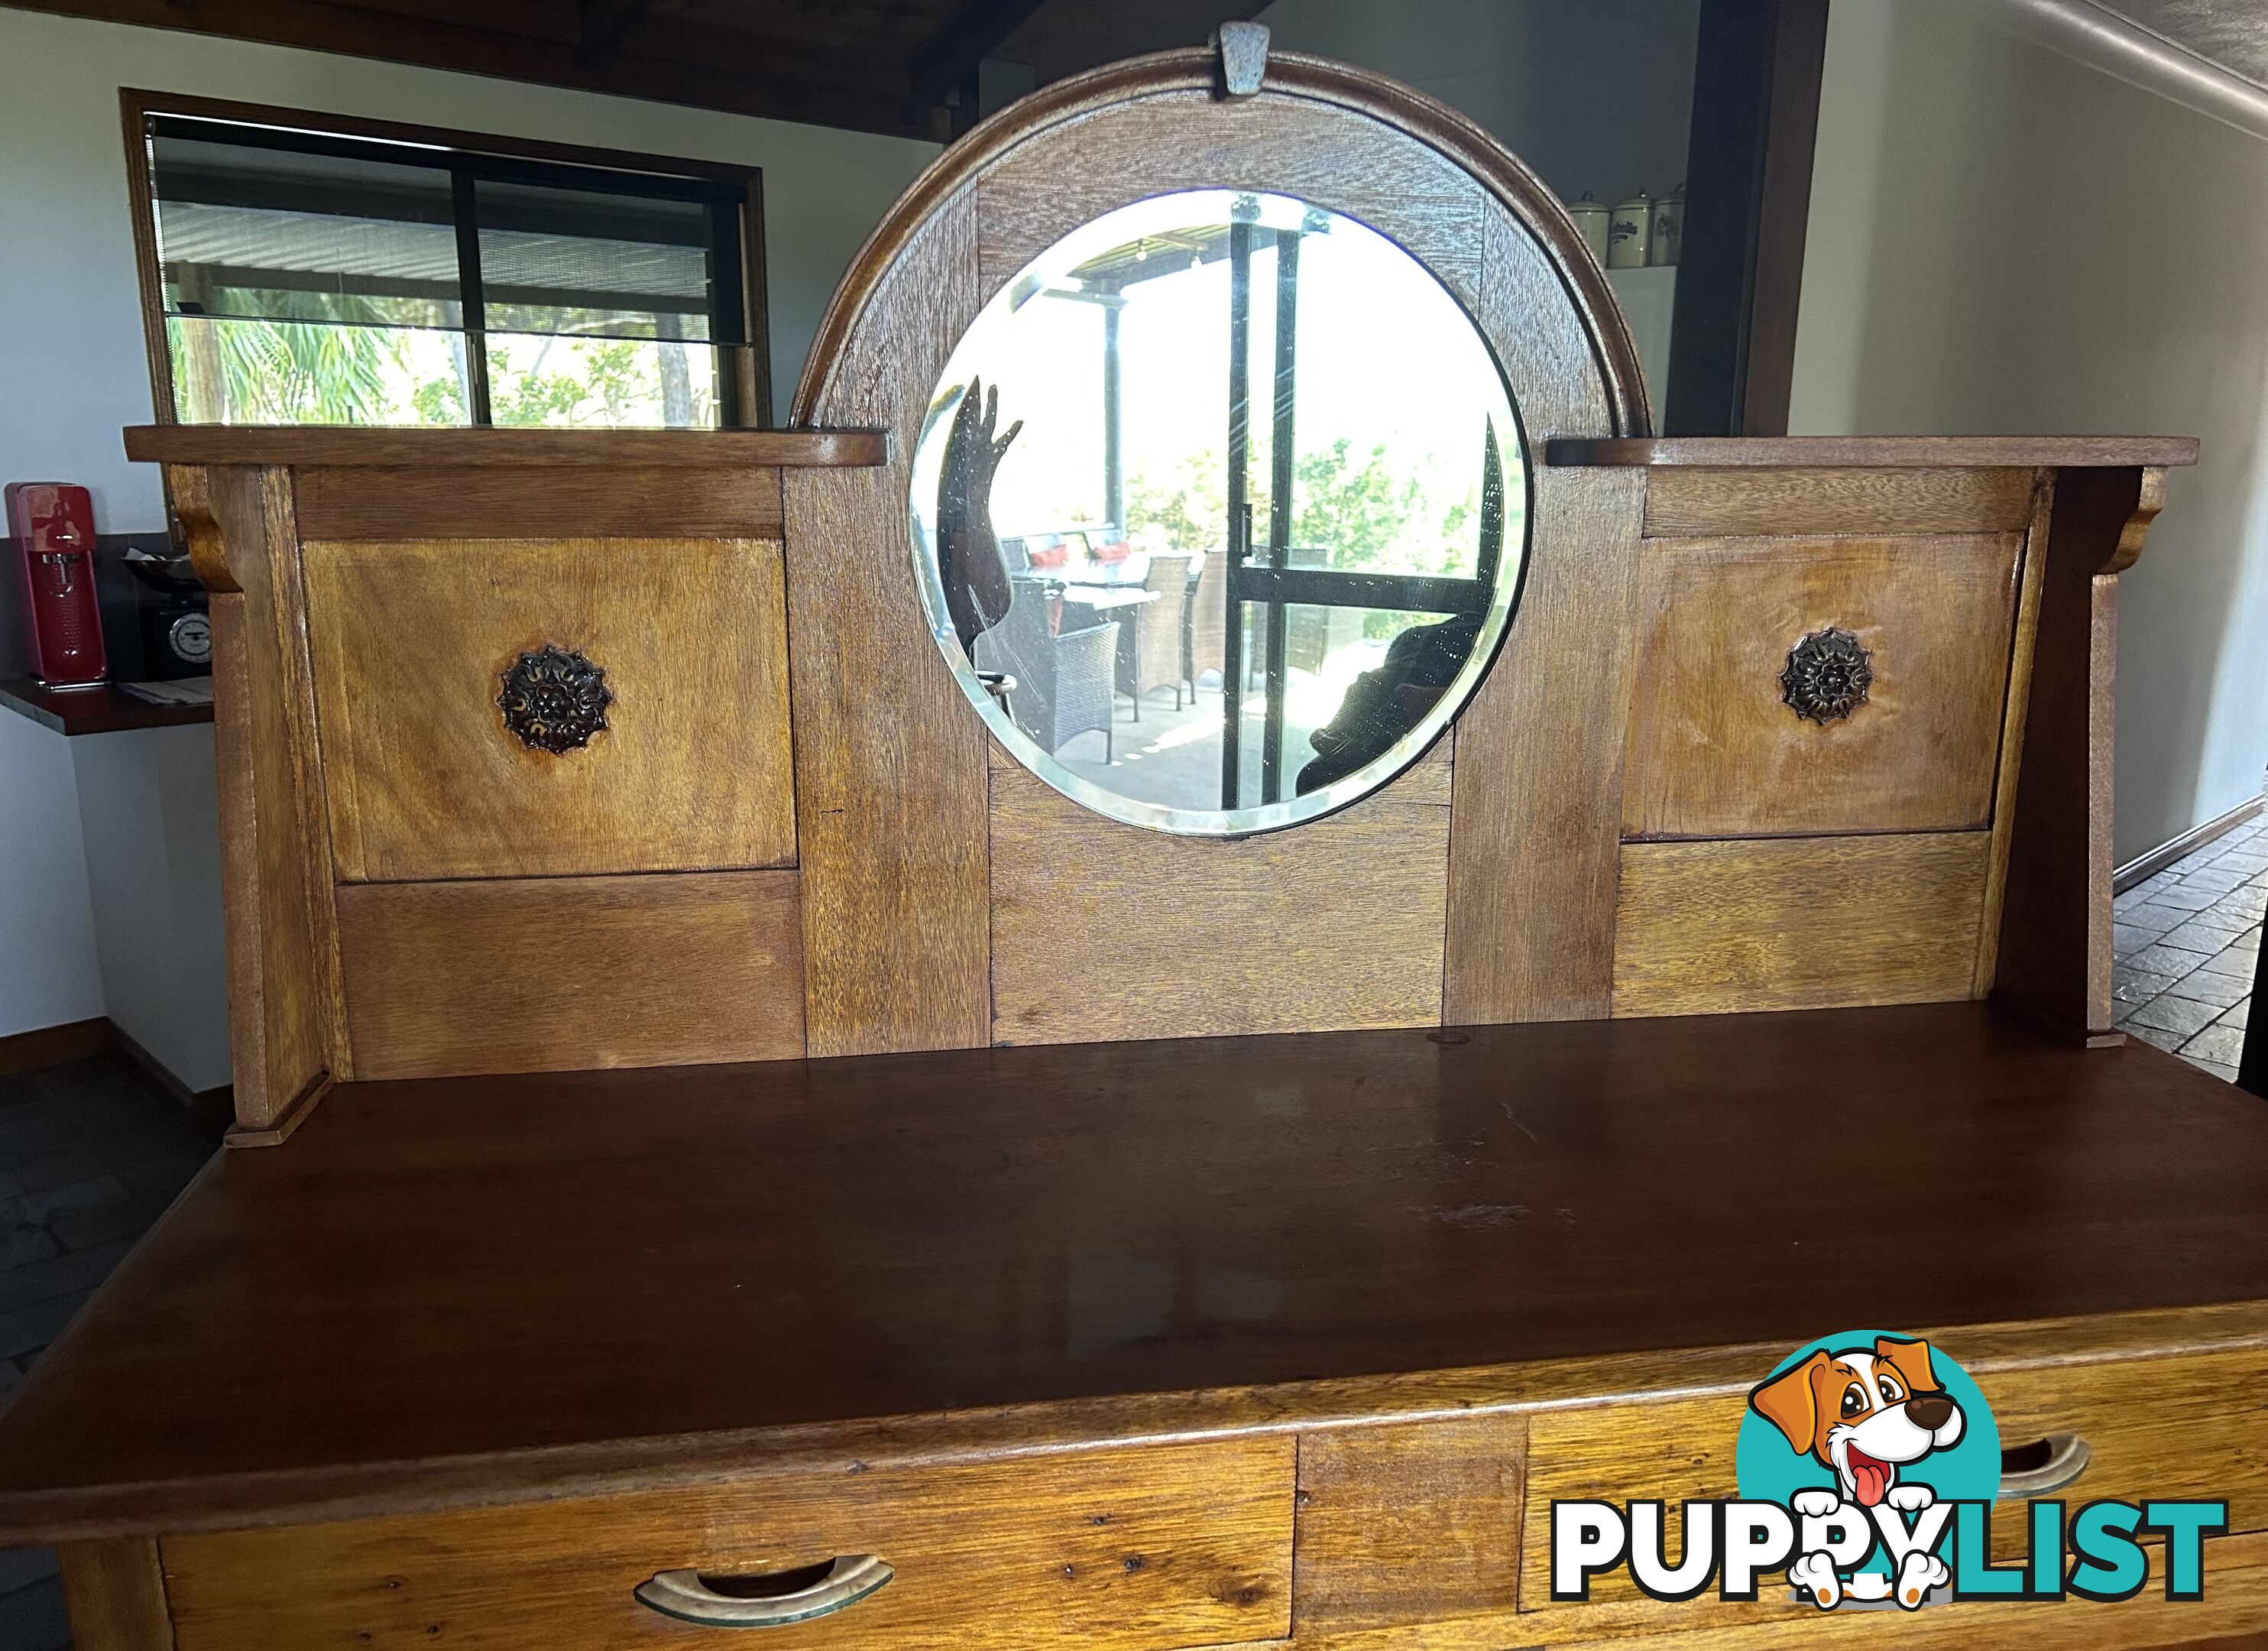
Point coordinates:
[(1871, 1477)]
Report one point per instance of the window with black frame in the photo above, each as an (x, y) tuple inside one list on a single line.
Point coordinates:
[(311, 277)]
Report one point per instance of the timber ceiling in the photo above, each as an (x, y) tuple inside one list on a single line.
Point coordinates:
[(890, 66)]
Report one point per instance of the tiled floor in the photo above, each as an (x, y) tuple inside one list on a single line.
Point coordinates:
[(88, 1159), (2185, 945)]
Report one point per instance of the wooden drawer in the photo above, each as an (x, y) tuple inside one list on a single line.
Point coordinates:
[(2189, 1425), (1143, 1549), (410, 642), (1715, 751)]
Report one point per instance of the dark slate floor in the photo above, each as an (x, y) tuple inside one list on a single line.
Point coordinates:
[(2186, 945), (88, 1159)]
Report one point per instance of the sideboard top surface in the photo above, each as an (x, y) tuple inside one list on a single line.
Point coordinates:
[(502, 1272), (1866, 453), (612, 449)]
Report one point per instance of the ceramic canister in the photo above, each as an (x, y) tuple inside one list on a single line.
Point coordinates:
[(1591, 215), (1668, 227), (1630, 233)]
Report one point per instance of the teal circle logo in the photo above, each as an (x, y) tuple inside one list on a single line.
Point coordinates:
[(1867, 1415)]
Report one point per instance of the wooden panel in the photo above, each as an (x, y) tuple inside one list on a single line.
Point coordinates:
[(308, 445), (1539, 773), (2054, 960), (1866, 453), (1191, 140), (889, 758), (1409, 1524), (556, 974), (1687, 503), (286, 1028), (411, 641), (1163, 1547), (1716, 751), (1101, 932), (528, 501), (117, 1595), (1820, 923)]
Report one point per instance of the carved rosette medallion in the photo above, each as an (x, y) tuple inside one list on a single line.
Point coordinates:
[(555, 699), (1827, 676)]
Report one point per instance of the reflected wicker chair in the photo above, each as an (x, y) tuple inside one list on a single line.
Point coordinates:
[(1063, 680), (1154, 649), (1206, 630)]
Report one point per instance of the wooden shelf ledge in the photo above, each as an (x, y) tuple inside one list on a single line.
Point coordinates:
[(641, 449), (1875, 452), (99, 709)]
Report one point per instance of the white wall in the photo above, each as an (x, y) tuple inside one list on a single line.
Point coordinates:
[(48, 972), (73, 371), (150, 817), (2004, 240), (70, 325), (1595, 95)]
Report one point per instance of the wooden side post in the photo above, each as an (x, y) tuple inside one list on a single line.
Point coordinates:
[(286, 1022), (2055, 921), (116, 1591)]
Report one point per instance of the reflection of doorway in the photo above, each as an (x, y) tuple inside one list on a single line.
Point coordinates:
[(1266, 581)]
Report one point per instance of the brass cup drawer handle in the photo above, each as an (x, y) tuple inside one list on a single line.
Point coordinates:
[(770, 1600), (2047, 1464)]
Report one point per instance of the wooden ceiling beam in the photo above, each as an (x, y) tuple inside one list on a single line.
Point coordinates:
[(974, 30), (391, 36), (600, 25)]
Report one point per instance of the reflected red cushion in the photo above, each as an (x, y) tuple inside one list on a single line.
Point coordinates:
[(1049, 556), (1117, 551)]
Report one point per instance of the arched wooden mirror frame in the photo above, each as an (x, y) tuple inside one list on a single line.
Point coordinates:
[(952, 899)]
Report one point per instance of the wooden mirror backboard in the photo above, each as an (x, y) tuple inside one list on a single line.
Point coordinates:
[(951, 898)]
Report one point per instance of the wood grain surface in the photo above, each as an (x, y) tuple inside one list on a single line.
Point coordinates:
[(1175, 1545), (1100, 931), (601, 501), (1875, 452), (1408, 1523), (2055, 951), (1683, 503), (1535, 820), (1715, 749), (425, 780), (1372, 115), (286, 1023), (2015, 719), (555, 973), (889, 756), (1799, 923), (1128, 1240), (420, 449), (117, 1595)]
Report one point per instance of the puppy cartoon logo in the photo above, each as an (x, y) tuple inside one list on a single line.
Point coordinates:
[(1861, 1422), (1865, 1413)]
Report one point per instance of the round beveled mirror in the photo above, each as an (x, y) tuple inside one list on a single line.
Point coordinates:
[(1219, 512)]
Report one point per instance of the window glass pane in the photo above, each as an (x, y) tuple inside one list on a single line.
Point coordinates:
[(232, 371), (593, 264), (259, 234), (604, 383)]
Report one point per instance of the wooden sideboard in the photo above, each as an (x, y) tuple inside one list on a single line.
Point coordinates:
[(727, 1115), (1160, 1344)]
